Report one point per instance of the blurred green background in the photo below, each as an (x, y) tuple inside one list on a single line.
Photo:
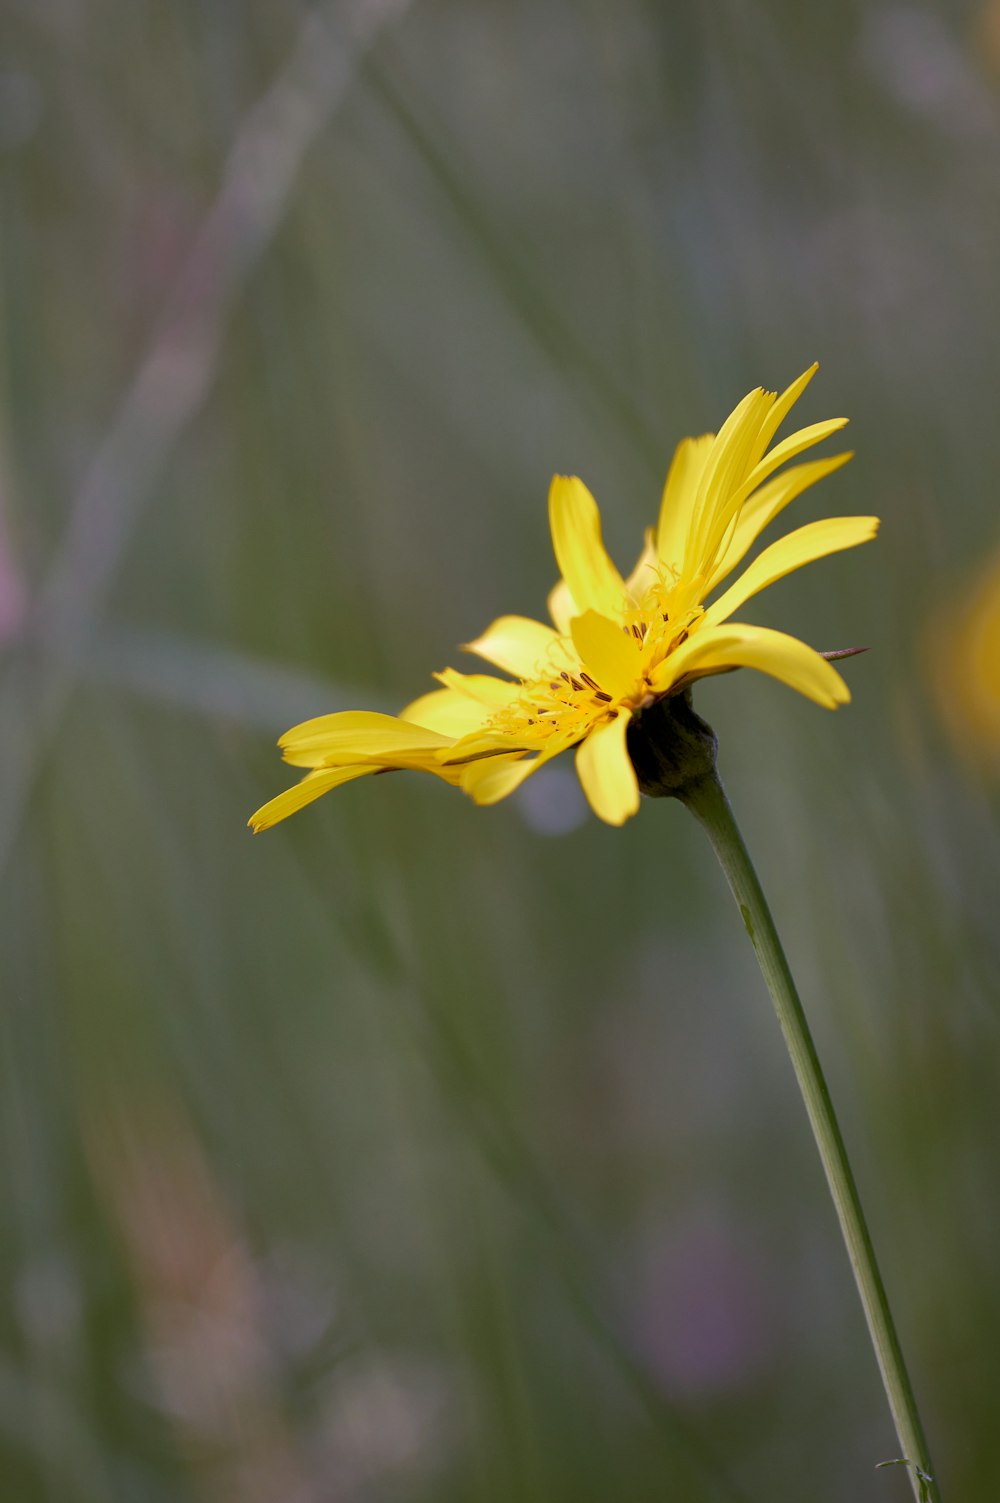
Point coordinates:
[(414, 1151)]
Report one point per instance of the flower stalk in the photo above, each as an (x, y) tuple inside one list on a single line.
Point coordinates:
[(705, 797)]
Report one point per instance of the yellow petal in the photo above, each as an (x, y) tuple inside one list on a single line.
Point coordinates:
[(518, 645), (608, 653), (351, 736), (484, 688), (679, 495), (480, 745), (716, 648), (724, 473), (491, 780), (714, 540), (312, 786), (606, 773), (765, 504), (562, 606), (782, 407), (645, 572), (804, 546), (448, 711), (790, 447), (592, 578)]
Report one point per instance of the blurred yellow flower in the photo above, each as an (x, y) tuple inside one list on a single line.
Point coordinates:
[(617, 644), (967, 677)]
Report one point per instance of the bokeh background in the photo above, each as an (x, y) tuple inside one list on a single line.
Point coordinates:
[(411, 1151)]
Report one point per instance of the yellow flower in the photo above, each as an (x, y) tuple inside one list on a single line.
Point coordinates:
[(967, 676), (617, 644)]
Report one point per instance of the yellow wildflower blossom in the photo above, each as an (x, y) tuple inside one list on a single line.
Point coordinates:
[(967, 677), (617, 645)]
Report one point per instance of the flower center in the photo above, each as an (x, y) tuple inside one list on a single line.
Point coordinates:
[(565, 705), (663, 620)]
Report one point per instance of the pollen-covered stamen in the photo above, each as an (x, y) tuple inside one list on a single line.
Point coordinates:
[(599, 693), (664, 617), (566, 706)]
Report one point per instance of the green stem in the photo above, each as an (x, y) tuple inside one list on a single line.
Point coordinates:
[(707, 800)]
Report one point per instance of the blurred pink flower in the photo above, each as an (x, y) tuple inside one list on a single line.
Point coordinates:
[(700, 1307)]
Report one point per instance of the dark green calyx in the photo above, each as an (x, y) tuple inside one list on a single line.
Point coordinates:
[(672, 749)]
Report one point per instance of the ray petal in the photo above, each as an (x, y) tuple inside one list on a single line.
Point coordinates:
[(491, 780), (645, 571), (804, 546), (716, 648), (606, 773), (351, 736), (790, 447), (679, 495), (479, 745), (592, 578), (520, 646), (724, 473), (447, 711), (760, 510), (562, 606), (484, 688), (608, 653), (312, 786), (782, 407)]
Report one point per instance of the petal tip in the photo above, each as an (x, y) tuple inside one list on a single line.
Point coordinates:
[(840, 694)]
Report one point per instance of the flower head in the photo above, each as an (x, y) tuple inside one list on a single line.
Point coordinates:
[(618, 644), (967, 675)]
